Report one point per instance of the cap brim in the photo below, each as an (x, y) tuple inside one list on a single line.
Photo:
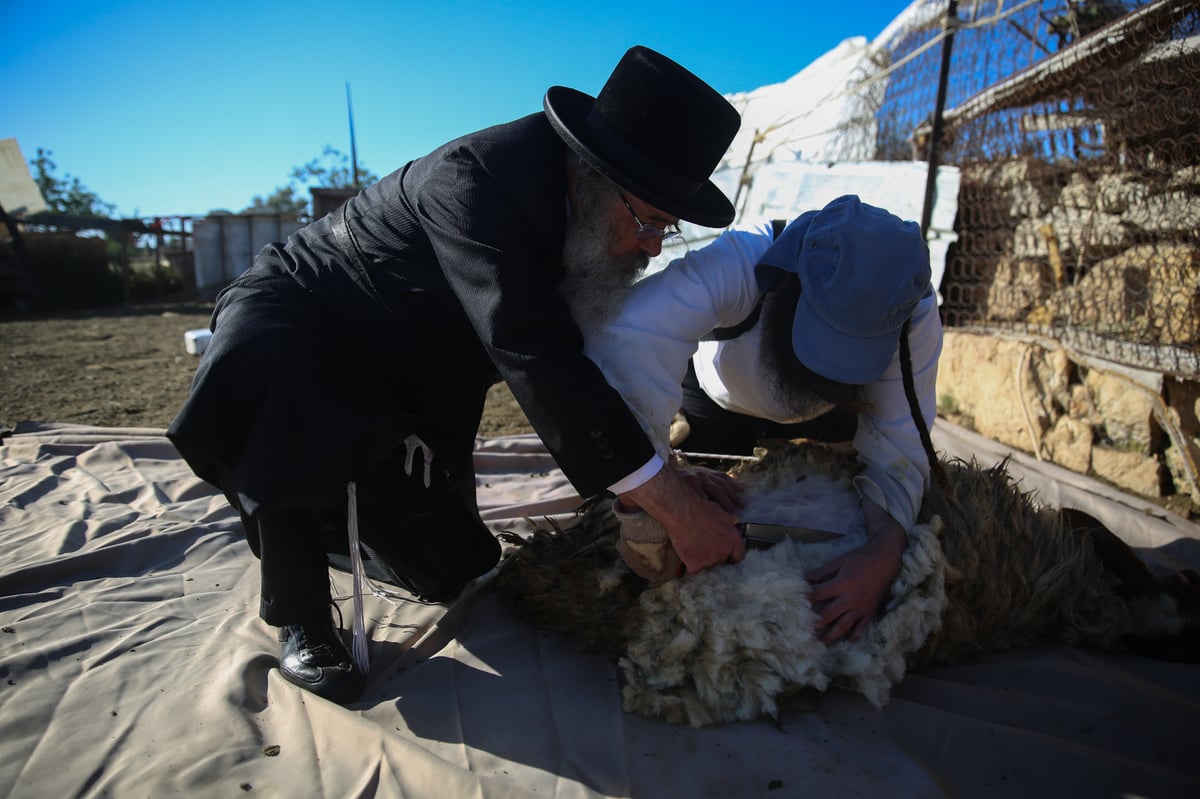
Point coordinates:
[(835, 355), (567, 108)]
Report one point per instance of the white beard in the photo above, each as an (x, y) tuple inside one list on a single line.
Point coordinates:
[(595, 281)]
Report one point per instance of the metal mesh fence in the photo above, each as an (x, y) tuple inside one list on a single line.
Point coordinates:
[(1076, 130)]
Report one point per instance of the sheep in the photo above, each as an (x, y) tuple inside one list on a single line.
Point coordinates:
[(986, 568)]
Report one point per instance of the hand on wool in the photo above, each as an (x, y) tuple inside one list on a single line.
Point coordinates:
[(848, 591), (716, 486), (701, 531)]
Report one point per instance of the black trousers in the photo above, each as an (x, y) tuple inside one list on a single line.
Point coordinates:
[(431, 537), (292, 401), (717, 430)]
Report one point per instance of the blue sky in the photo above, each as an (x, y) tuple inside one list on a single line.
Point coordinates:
[(171, 108)]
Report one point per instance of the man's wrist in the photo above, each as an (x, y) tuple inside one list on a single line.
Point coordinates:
[(638, 478)]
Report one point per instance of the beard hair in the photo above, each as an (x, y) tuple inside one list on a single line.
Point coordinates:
[(790, 382), (595, 282)]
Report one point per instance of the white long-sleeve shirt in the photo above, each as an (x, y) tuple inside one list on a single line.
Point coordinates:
[(645, 349)]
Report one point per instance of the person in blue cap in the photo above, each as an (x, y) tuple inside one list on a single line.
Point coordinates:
[(833, 316)]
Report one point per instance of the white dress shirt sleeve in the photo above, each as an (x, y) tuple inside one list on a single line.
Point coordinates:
[(644, 350)]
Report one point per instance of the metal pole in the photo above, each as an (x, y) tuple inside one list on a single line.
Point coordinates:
[(353, 146), (935, 136)]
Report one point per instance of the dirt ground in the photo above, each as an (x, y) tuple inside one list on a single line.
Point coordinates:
[(127, 367)]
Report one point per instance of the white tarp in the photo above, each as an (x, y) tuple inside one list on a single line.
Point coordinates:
[(133, 663)]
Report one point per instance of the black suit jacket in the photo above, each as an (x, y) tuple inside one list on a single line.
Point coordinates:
[(444, 282)]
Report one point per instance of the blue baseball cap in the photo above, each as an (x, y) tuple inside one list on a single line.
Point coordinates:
[(862, 272)]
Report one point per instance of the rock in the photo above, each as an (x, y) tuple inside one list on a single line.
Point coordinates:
[(1109, 298), (1054, 373), (1069, 444), (1088, 231), (1173, 304), (1018, 286), (1169, 212), (1131, 471), (1178, 471), (1126, 411), (1081, 406), (1116, 193), (978, 373)]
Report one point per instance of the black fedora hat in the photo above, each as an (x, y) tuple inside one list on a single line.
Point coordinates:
[(656, 130)]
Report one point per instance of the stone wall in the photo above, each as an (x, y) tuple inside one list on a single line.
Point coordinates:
[(1135, 429), (1052, 245)]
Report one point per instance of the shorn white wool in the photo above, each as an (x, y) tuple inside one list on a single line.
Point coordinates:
[(728, 644)]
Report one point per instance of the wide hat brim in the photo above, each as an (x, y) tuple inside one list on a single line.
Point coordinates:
[(656, 131)]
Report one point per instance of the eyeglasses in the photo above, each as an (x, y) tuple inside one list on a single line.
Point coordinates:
[(648, 232)]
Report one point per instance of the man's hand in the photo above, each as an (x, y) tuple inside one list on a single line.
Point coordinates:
[(701, 531), (848, 591), (716, 486)]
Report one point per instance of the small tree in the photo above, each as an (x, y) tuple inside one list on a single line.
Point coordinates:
[(66, 195), (73, 271), (284, 200), (332, 170), (334, 174)]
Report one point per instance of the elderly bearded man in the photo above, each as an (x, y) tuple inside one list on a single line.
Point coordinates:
[(348, 367)]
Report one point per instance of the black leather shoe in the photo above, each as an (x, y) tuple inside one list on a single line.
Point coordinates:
[(314, 656)]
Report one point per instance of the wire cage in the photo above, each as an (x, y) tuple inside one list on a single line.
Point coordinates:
[(1076, 130)]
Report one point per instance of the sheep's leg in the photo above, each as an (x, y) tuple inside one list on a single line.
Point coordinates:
[(1137, 585), (1134, 578)]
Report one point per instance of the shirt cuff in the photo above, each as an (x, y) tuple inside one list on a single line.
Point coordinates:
[(632, 481)]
